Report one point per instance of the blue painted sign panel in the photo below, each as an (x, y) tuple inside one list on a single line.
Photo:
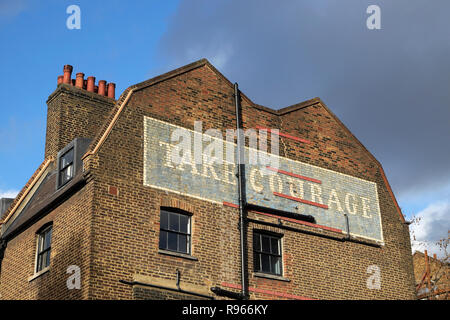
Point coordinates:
[(284, 184)]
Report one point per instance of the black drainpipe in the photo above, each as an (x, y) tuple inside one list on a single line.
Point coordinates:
[(241, 189), (3, 244)]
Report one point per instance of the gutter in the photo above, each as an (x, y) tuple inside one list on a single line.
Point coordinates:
[(341, 239)]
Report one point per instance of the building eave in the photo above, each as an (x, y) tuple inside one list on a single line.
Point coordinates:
[(26, 189)]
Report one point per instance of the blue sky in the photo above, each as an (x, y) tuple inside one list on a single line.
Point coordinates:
[(389, 86), (116, 42)]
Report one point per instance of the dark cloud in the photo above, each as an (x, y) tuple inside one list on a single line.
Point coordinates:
[(391, 87), (11, 8)]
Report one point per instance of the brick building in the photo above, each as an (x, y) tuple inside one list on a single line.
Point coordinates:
[(322, 223), (432, 276)]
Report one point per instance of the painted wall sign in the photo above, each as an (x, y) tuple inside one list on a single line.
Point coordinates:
[(292, 186)]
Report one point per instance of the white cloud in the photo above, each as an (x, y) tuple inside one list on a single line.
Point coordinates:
[(217, 52), (433, 225), (8, 193), (221, 56)]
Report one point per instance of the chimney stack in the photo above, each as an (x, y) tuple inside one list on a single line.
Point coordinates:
[(67, 74), (111, 90), (103, 89)]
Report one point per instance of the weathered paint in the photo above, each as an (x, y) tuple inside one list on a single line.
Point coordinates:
[(292, 186)]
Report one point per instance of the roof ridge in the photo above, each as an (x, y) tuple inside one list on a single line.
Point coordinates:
[(170, 74), (124, 97), (299, 105), (383, 175)]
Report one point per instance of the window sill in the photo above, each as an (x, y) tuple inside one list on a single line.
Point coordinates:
[(177, 254), (62, 185), (270, 276), (38, 274)]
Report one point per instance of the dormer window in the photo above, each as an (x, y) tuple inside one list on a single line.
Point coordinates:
[(66, 167), (69, 163)]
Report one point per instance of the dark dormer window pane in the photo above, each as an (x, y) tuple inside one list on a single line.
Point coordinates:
[(67, 159), (66, 167)]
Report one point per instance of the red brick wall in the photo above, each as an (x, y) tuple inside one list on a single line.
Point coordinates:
[(120, 233), (72, 113), (317, 267), (71, 240), (439, 275)]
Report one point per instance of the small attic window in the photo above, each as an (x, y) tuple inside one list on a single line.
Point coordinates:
[(69, 162), (66, 167)]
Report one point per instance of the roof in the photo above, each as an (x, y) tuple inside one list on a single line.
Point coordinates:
[(26, 189), (431, 259), (41, 191)]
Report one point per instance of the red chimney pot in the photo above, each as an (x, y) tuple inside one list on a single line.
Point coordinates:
[(80, 80), (67, 73), (102, 87), (111, 90), (90, 84), (60, 79)]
